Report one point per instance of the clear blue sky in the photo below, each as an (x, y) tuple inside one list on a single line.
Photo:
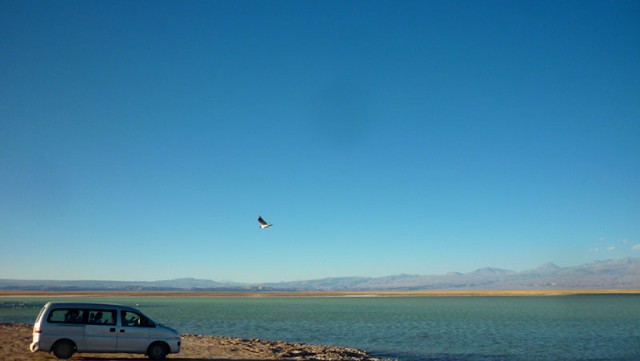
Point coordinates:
[(140, 140)]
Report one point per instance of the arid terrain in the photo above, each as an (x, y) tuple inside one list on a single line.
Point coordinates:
[(15, 340)]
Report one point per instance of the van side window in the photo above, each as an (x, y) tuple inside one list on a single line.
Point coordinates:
[(66, 315), (102, 317), (133, 319)]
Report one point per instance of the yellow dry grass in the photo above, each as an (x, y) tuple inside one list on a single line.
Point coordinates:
[(425, 293)]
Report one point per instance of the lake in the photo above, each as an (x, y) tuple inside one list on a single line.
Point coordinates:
[(578, 327)]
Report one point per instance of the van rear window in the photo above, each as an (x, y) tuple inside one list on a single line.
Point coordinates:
[(40, 314), (66, 315)]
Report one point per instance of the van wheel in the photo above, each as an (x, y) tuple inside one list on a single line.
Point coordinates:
[(157, 351), (63, 349)]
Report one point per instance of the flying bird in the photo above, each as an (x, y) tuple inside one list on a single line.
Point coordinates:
[(263, 223)]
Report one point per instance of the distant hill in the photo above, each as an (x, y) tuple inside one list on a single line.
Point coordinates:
[(610, 274)]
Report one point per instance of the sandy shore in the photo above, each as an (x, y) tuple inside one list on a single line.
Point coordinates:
[(15, 340)]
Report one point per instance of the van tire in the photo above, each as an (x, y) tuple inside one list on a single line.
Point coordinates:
[(157, 351), (63, 349)]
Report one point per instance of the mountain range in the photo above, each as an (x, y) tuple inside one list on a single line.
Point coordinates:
[(609, 274)]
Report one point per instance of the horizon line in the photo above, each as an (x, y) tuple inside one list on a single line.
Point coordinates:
[(420, 293)]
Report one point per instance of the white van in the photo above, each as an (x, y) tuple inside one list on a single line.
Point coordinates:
[(66, 328)]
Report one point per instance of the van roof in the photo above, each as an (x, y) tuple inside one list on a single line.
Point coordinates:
[(88, 305)]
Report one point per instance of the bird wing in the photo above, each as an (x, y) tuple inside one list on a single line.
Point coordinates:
[(262, 221)]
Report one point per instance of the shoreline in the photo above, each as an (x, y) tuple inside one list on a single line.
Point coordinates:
[(16, 338), (426, 293)]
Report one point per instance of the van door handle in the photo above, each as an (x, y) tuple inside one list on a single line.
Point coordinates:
[(112, 329)]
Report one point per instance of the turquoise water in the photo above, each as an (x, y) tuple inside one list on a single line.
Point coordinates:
[(602, 327)]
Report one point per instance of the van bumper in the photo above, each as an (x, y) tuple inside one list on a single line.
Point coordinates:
[(174, 346), (34, 347)]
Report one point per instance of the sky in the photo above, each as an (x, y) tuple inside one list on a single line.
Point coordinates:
[(140, 140)]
